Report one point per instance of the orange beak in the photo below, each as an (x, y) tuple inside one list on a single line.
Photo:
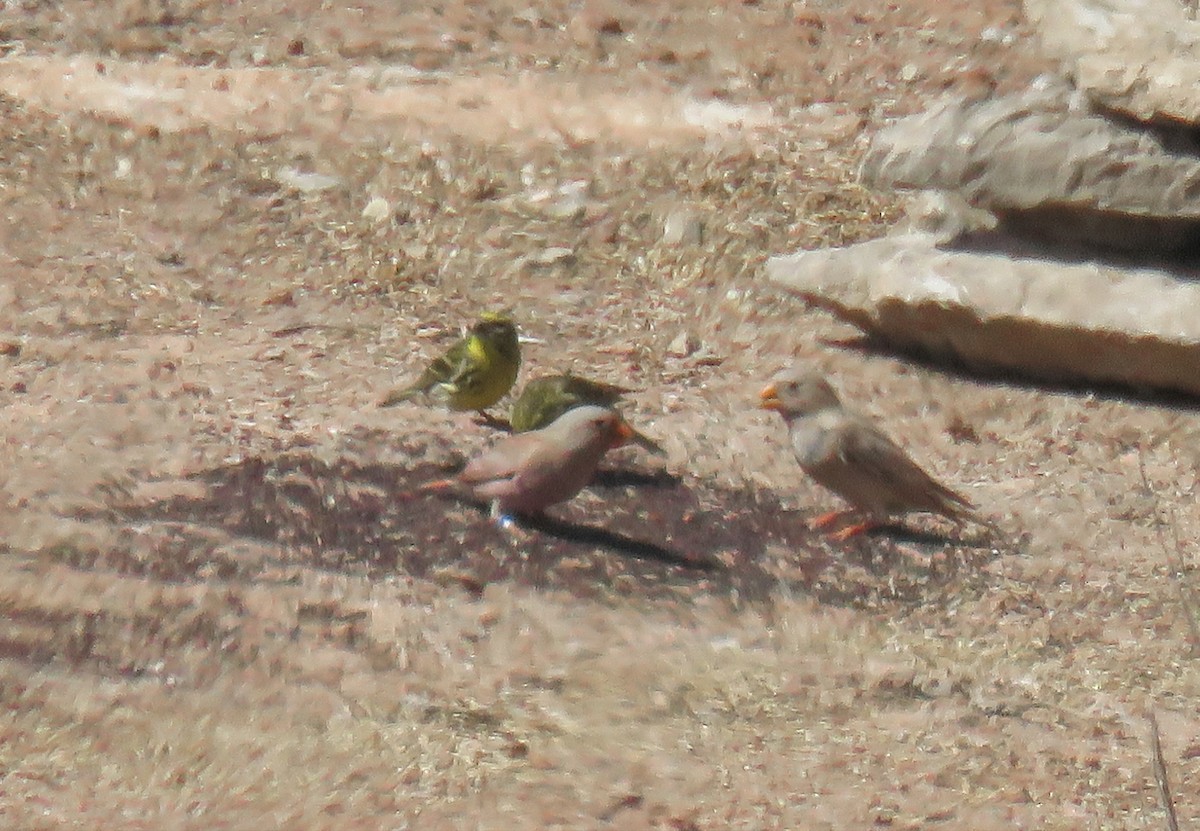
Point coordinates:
[(622, 433), (769, 398)]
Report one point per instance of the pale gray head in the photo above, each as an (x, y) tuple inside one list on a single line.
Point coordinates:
[(795, 393), (590, 423)]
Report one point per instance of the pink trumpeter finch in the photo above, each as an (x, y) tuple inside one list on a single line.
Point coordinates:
[(528, 472)]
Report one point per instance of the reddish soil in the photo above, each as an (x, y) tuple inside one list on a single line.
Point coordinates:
[(230, 228)]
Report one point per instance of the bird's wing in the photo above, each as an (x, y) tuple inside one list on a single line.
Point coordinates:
[(539, 405), (587, 391), (560, 465), (502, 460), (439, 371), (464, 361), (865, 447)]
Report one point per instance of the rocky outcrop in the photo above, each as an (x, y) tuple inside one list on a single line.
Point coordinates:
[(1059, 226), (1039, 318), (1136, 57), (1047, 166)]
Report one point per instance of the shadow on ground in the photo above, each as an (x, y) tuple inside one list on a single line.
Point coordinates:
[(996, 376), (633, 533)]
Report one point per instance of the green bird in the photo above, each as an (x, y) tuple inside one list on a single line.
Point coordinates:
[(545, 399), (474, 373)]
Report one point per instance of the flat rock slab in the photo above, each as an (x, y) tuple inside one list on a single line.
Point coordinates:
[(1047, 166), (1138, 57), (1037, 318)]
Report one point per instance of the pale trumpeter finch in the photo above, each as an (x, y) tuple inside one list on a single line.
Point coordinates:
[(529, 472), (475, 372), (852, 457)]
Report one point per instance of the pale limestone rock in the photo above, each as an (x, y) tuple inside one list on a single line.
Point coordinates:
[(1047, 167), (1035, 317), (1138, 57)]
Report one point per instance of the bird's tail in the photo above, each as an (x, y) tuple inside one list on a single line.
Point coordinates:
[(960, 509), (644, 441), (436, 486), (398, 395)]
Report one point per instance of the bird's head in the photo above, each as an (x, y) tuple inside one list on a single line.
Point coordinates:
[(796, 393), (497, 329), (589, 424)]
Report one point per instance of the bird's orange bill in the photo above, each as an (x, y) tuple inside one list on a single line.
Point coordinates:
[(769, 398), (624, 433)]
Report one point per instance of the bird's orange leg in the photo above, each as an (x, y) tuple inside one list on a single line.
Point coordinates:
[(853, 530), (508, 524), (827, 519)]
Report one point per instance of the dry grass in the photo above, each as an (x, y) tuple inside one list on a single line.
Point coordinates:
[(219, 614)]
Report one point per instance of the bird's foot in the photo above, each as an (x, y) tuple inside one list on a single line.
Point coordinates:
[(508, 524), (826, 522), (486, 419), (826, 519), (852, 530)]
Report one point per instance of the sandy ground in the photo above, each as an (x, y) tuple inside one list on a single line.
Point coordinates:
[(230, 228)]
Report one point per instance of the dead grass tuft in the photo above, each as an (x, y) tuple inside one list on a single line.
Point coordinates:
[(227, 232)]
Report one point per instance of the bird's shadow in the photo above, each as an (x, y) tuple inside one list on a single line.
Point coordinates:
[(677, 540), (624, 477), (612, 541), (875, 345), (899, 532)]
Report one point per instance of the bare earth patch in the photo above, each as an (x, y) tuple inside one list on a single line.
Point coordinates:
[(228, 229)]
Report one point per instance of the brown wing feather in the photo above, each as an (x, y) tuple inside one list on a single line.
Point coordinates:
[(904, 485), (501, 461)]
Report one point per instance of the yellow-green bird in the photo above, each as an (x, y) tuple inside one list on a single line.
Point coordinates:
[(545, 399), (476, 372)]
